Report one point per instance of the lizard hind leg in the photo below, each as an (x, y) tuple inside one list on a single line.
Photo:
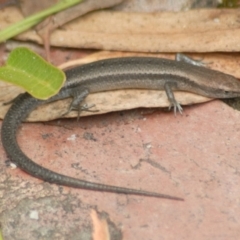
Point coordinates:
[(78, 96), (171, 98)]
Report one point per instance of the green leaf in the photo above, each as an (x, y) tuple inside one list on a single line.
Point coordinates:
[(1, 238), (28, 70)]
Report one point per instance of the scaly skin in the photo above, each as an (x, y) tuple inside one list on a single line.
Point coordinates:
[(113, 74)]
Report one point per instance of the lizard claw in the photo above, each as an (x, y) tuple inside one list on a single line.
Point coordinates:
[(176, 108)]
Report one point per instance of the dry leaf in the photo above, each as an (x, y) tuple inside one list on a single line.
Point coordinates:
[(191, 31), (100, 227), (31, 7), (46, 27)]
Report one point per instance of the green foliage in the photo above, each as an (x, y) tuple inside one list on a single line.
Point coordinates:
[(28, 70), (229, 4), (28, 22)]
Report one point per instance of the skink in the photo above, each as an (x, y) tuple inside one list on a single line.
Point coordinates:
[(114, 74)]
